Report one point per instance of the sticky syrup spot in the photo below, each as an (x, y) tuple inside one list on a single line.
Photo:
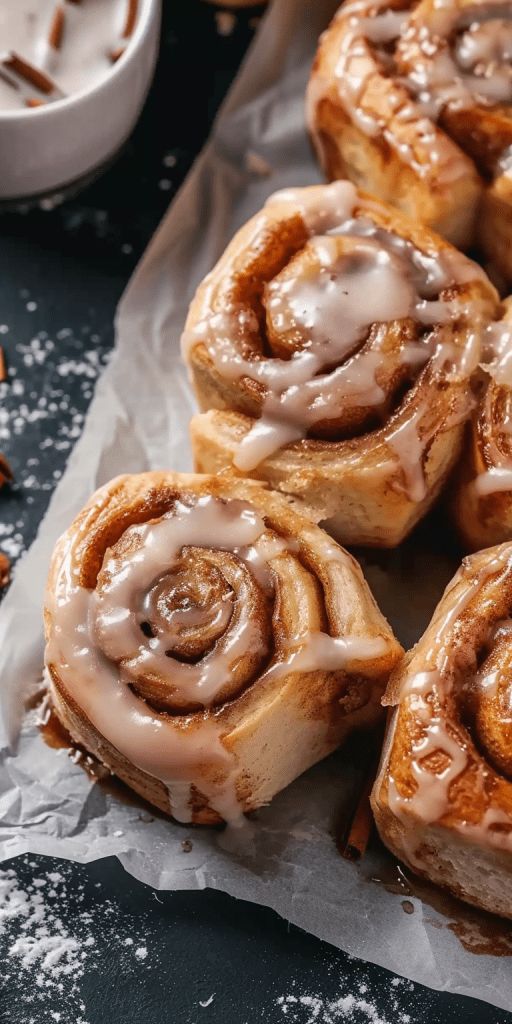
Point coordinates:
[(478, 932)]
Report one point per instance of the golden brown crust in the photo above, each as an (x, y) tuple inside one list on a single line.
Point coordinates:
[(273, 727), (441, 164), (443, 796), (482, 512), (345, 469)]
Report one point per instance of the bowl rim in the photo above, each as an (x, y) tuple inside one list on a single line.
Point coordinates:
[(149, 8)]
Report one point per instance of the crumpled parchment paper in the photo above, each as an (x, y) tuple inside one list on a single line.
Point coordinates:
[(137, 421)]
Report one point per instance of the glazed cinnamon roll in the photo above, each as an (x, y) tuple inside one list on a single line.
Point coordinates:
[(413, 102), (443, 796), (482, 498), (207, 642), (332, 346)]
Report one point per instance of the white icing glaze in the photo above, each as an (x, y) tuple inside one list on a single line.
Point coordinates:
[(475, 68), (362, 56), (118, 610), (331, 654), (406, 442), (320, 207), (96, 647), (497, 352), (498, 478), (92, 31), (335, 296), (486, 680)]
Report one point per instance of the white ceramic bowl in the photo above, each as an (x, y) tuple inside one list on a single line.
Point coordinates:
[(45, 149)]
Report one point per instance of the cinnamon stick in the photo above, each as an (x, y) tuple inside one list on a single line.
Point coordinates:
[(5, 570), (131, 18), (26, 71), (360, 828), (5, 470), (117, 53), (353, 842), (3, 366), (57, 28)]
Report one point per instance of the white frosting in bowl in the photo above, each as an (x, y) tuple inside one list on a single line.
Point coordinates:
[(73, 44)]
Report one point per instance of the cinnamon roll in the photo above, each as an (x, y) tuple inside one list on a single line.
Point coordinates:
[(207, 642), (482, 498), (413, 102), (331, 350), (443, 796)]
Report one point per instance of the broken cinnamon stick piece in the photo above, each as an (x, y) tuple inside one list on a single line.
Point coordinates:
[(354, 839), (360, 827), (5, 570), (131, 18), (26, 71), (57, 28), (6, 473), (117, 53)]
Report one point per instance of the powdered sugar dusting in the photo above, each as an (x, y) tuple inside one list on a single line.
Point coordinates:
[(311, 1009), (364, 996), (43, 404), (48, 943)]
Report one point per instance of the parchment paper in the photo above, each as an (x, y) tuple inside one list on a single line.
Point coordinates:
[(138, 420)]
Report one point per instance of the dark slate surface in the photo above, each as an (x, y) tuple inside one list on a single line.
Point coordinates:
[(146, 957)]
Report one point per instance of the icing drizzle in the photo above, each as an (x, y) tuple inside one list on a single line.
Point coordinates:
[(430, 691), (103, 652), (437, 58), (339, 294)]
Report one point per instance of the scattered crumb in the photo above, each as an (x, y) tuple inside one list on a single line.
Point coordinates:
[(141, 952), (207, 1002), (226, 22), (257, 164), (186, 845)]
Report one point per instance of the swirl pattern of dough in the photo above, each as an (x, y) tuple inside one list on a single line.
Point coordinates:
[(482, 496), (207, 642), (443, 796), (331, 351)]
